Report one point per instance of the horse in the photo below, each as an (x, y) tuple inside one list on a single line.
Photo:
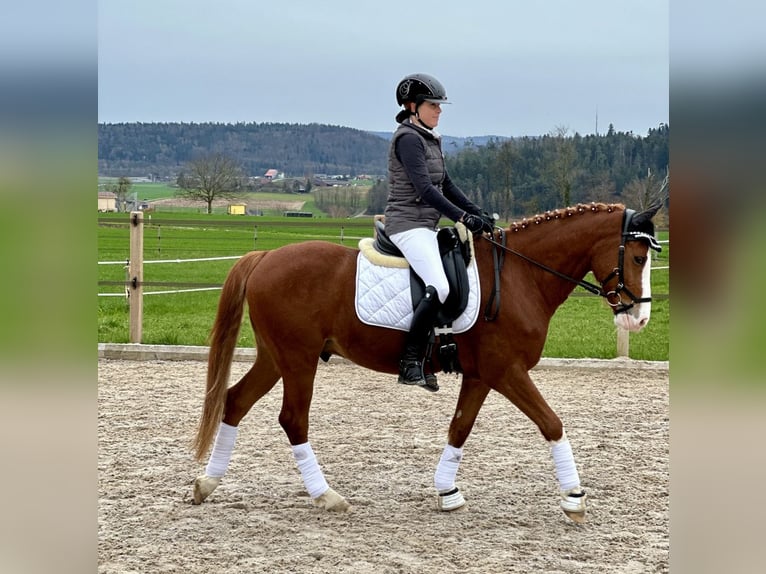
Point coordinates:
[(301, 307)]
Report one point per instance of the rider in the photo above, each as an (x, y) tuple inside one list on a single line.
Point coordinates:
[(420, 192)]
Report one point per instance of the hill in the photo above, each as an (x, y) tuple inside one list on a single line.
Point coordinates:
[(162, 149), (453, 144)]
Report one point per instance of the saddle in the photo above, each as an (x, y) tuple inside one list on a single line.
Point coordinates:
[(456, 255)]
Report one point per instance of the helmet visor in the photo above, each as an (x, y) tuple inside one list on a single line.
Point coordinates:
[(420, 98)]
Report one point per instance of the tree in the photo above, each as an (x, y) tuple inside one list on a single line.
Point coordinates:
[(338, 201), (377, 197), (504, 160), (210, 177), (121, 189), (560, 169), (640, 193)]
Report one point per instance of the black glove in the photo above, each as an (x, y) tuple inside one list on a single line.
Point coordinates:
[(478, 223), (489, 221)]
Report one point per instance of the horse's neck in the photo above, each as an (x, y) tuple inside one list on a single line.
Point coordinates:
[(566, 245)]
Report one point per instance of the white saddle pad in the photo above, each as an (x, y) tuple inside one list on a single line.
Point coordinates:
[(383, 297)]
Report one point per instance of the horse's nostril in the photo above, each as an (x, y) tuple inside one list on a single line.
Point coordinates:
[(643, 322)]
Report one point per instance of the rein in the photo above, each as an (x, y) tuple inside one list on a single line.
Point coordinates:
[(613, 297)]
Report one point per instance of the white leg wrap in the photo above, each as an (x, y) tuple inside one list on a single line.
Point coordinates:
[(316, 485), (446, 470), (566, 471), (222, 449)]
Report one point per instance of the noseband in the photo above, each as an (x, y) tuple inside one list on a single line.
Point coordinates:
[(613, 297)]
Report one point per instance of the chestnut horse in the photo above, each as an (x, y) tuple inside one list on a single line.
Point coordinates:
[(301, 305)]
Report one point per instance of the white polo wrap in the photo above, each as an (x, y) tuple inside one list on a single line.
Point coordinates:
[(316, 485), (222, 449), (566, 471), (446, 470)]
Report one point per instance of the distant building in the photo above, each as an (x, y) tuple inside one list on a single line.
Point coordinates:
[(107, 201), (271, 174)]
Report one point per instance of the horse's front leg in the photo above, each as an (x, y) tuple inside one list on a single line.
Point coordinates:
[(522, 392), (472, 395)]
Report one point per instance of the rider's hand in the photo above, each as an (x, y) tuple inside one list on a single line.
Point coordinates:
[(477, 224), (489, 221)]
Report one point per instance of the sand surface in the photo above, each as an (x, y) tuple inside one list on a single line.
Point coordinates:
[(378, 444)]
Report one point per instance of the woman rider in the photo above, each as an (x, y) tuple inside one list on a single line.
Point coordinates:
[(420, 192)]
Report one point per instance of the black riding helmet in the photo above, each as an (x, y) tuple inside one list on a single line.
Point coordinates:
[(420, 88)]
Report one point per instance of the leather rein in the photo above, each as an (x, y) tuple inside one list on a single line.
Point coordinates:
[(613, 298)]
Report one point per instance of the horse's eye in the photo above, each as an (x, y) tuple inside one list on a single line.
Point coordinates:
[(639, 259)]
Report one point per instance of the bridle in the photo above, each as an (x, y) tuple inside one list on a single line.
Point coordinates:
[(613, 297)]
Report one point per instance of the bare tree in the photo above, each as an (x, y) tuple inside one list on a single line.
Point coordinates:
[(210, 177), (121, 189), (640, 193), (560, 169)]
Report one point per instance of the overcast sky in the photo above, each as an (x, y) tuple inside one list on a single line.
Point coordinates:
[(510, 67)]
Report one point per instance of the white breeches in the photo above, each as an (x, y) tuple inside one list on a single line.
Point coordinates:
[(421, 250)]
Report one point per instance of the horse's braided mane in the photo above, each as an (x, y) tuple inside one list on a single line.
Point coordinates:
[(563, 213)]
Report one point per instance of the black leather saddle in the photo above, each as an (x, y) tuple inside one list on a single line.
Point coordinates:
[(455, 257)]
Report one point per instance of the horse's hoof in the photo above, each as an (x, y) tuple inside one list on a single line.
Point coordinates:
[(203, 486), (574, 504), (578, 517), (450, 500), (333, 501)]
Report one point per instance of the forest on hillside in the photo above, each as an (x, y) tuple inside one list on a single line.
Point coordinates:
[(531, 175), (510, 176), (163, 149)]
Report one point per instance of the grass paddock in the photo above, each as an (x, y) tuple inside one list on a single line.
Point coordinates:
[(581, 328)]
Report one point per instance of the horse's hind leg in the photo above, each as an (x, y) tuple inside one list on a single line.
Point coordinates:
[(294, 419), (258, 381)]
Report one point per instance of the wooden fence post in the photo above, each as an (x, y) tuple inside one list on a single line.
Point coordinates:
[(136, 273), (623, 342)]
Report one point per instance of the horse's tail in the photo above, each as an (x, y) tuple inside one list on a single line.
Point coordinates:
[(223, 340)]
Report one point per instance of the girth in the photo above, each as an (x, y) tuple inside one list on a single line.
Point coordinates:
[(455, 256)]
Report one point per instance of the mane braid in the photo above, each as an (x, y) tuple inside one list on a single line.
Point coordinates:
[(579, 209)]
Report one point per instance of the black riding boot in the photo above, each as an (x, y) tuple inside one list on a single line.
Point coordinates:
[(411, 363)]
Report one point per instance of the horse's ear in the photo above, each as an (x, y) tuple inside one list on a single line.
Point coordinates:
[(641, 226), (640, 219)]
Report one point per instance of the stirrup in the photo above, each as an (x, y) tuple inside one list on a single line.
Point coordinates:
[(411, 373), (431, 383)]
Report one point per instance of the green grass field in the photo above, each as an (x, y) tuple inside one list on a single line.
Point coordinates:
[(151, 192), (582, 327)]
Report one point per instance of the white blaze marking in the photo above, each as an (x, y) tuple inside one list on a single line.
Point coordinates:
[(646, 287)]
